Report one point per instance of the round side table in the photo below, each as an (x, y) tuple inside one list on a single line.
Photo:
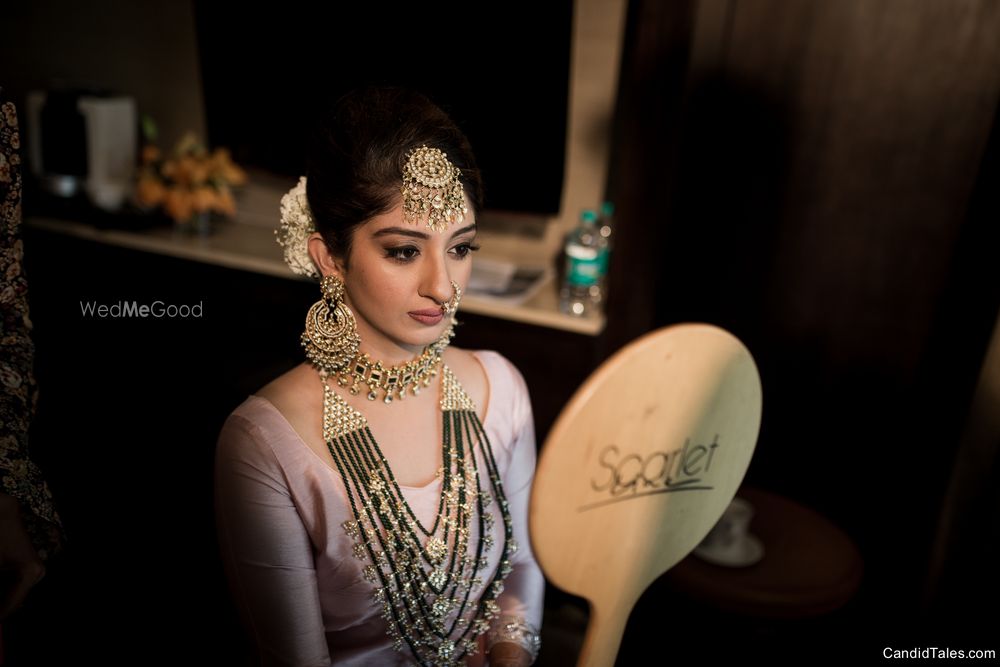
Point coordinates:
[(810, 566)]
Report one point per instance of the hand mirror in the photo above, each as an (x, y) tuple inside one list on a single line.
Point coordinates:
[(638, 468)]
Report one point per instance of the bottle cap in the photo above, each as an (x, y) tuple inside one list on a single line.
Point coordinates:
[(607, 208), (588, 215)]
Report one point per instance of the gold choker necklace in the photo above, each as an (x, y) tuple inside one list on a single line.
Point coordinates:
[(332, 344), (394, 381)]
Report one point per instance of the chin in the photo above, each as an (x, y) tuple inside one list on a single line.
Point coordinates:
[(424, 336), (431, 336)]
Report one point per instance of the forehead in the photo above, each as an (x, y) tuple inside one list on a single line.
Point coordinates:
[(391, 218)]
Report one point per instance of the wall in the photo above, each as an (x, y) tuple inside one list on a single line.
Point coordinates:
[(144, 49)]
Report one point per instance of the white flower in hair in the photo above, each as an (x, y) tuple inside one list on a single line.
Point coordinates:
[(296, 226)]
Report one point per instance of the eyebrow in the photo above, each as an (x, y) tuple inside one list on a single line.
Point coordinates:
[(403, 231)]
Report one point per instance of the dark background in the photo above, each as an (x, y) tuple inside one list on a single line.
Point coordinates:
[(822, 180), (500, 70)]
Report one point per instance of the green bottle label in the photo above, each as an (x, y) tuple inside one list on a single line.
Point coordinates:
[(583, 272)]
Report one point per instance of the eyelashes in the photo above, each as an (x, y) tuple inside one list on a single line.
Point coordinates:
[(407, 253), (402, 254), (463, 250)]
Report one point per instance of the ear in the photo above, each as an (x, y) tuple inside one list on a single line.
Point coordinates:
[(323, 258)]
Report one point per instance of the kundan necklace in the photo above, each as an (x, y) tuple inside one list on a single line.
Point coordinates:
[(332, 343), (392, 380), (424, 577), (357, 369)]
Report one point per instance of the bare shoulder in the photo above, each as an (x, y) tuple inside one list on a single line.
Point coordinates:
[(470, 373), (293, 391)]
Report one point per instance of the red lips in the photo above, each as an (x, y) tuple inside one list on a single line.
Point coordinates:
[(429, 316)]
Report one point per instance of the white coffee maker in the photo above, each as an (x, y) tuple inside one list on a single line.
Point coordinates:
[(81, 140)]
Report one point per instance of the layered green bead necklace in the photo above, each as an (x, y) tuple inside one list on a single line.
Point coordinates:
[(424, 577)]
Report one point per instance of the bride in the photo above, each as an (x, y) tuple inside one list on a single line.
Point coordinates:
[(372, 501)]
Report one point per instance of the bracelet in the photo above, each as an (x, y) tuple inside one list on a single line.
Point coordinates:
[(517, 630)]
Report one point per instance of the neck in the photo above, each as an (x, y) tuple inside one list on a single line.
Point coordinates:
[(396, 357), (389, 353), (382, 348)]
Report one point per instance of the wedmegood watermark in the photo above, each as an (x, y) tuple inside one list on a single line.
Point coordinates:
[(125, 309), (935, 652)]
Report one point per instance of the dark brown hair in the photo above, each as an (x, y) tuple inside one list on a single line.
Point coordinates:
[(355, 159)]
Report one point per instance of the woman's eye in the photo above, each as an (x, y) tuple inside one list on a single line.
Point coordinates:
[(462, 250), (402, 253)]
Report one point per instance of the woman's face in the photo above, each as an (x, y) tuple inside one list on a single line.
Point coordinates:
[(398, 275)]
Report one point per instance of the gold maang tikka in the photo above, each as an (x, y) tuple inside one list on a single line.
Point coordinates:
[(332, 344), (431, 188)]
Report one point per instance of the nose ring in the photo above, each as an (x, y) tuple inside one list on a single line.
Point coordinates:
[(451, 306)]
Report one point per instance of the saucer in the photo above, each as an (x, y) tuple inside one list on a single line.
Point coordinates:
[(744, 554)]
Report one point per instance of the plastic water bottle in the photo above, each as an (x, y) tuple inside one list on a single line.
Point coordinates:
[(581, 285), (605, 227)]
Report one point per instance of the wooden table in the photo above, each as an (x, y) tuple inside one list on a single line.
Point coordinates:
[(810, 566)]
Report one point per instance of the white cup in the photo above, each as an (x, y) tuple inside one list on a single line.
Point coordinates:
[(731, 531)]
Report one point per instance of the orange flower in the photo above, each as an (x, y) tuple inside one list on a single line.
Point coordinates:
[(178, 204), (190, 181), (203, 199), (223, 166)]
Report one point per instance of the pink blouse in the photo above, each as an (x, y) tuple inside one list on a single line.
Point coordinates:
[(279, 510)]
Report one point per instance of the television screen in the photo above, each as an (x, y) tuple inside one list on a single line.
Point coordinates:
[(501, 70)]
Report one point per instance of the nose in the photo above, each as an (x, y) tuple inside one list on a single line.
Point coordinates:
[(436, 281)]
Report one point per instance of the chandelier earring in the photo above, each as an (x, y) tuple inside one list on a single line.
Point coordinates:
[(331, 337)]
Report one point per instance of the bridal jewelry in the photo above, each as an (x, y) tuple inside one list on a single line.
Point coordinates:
[(426, 578), (331, 343), (394, 381), (450, 307), (331, 336), (514, 629), (431, 188)]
